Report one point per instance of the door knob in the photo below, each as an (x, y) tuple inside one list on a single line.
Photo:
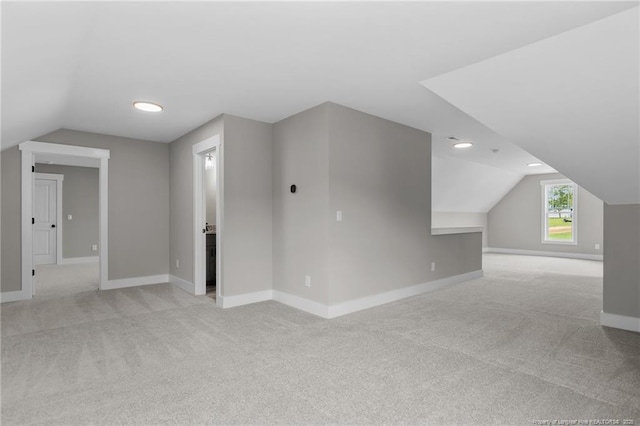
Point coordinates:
[(53, 226)]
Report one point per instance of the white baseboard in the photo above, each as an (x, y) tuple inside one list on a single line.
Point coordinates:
[(14, 296), (333, 311), (183, 284), (584, 256), (620, 321), (301, 303), (401, 293), (134, 282), (244, 299), (74, 260)]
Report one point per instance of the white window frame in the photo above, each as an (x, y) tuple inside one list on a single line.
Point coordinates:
[(546, 183)]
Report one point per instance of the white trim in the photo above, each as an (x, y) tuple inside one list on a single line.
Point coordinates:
[(398, 294), (136, 281), (76, 260), (14, 296), (302, 304), (59, 149), (59, 222), (103, 205), (199, 239), (340, 309), (28, 151), (620, 321), (584, 256), (333, 311), (457, 230), (574, 214), (244, 299), (27, 162), (183, 284)]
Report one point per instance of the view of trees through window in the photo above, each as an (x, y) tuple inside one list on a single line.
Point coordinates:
[(559, 211)]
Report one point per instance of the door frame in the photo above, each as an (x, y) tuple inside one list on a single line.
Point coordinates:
[(100, 157), (199, 150), (59, 221)]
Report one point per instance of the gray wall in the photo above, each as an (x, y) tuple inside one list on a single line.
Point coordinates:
[(80, 199), (181, 196), (300, 220), (516, 221), (138, 199), (210, 188), (247, 236), (378, 173), (11, 221), (621, 288), (380, 178)]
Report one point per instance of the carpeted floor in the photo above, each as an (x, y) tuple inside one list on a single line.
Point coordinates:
[(517, 346), (63, 280)]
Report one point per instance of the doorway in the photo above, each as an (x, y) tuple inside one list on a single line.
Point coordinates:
[(208, 217), (33, 152), (75, 268)]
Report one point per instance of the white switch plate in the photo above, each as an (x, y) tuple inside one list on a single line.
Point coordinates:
[(94, 247), (433, 266), (339, 216), (177, 263), (69, 217), (307, 281), (597, 246)]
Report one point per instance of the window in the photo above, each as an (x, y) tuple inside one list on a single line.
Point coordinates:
[(560, 221)]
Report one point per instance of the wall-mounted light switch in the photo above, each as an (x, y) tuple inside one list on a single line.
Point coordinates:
[(433, 266), (339, 216), (177, 263), (597, 246), (307, 281), (69, 217), (94, 247)]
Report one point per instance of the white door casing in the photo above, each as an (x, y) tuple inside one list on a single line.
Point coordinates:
[(100, 159), (45, 231)]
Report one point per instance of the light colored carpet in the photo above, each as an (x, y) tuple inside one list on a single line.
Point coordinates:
[(515, 346), (62, 280)]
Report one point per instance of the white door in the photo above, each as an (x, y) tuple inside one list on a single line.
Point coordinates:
[(45, 230)]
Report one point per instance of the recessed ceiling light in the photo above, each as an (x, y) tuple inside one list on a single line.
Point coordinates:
[(147, 106), (463, 145), (534, 164)]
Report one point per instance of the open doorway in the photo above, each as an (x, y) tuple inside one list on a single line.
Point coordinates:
[(208, 218), (66, 229), (42, 199)]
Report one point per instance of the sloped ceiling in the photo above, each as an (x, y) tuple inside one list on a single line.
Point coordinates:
[(80, 65), (463, 186), (571, 100)]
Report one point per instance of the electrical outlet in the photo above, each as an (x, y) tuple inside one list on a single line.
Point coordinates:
[(177, 263), (433, 266), (94, 247), (597, 246), (307, 281), (69, 217)]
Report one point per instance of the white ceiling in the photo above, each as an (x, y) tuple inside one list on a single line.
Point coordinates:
[(80, 65), (571, 100), (463, 186)]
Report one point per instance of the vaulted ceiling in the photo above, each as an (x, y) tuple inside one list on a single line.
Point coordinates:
[(80, 65)]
